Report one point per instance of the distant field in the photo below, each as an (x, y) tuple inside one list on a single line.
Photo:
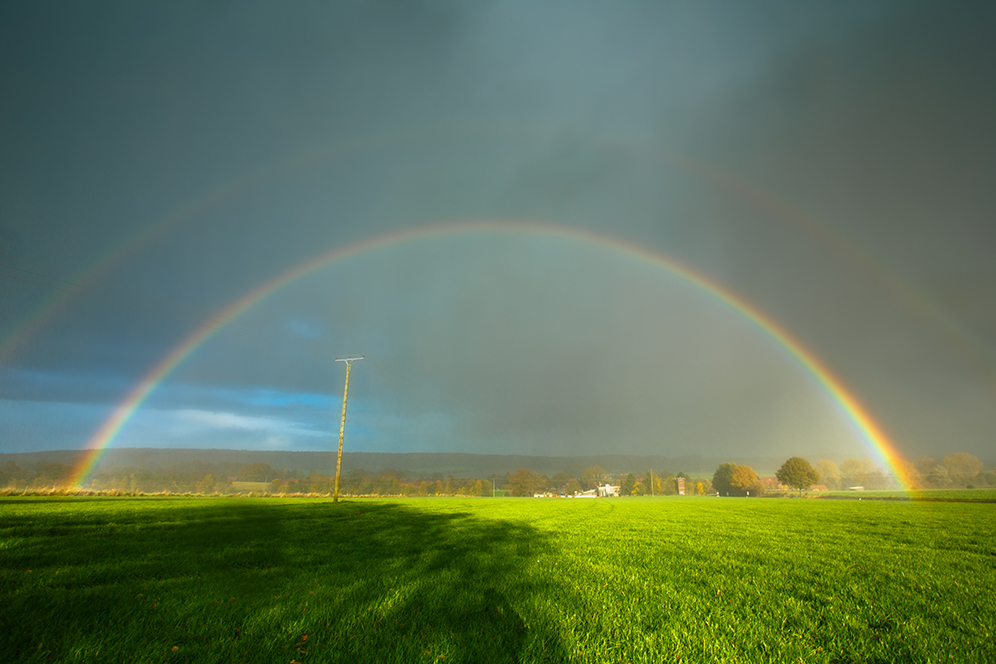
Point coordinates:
[(182, 579), (933, 494)]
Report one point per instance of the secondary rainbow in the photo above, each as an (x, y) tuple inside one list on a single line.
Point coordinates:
[(874, 434), (45, 312), (91, 277)]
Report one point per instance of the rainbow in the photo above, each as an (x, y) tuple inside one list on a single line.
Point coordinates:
[(90, 277), (874, 434)]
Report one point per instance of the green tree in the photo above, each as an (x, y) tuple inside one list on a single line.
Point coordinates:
[(797, 473), (829, 473), (452, 486), (560, 479), (257, 472), (669, 486), (961, 466), (938, 477), (523, 482), (206, 485), (653, 484), (390, 485), (627, 485), (856, 472), (50, 474), (593, 475), (571, 487), (9, 473), (924, 465), (723, 477)]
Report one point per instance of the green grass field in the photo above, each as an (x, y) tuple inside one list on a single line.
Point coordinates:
[(183, 579)]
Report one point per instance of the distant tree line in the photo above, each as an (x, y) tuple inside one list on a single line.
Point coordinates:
[(525, 482), (199, 478), (956, 471), (959, 470)]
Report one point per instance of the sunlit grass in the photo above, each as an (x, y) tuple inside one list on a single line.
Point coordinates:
[(611, 580)]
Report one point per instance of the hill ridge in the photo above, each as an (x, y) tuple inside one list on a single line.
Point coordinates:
[(457, 464)]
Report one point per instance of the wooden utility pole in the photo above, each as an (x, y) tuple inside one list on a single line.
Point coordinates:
[(342, 423)]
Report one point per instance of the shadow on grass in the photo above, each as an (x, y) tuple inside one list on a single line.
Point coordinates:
[(260, 581)]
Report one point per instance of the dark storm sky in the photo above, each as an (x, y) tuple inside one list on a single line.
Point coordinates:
[(832, 164)]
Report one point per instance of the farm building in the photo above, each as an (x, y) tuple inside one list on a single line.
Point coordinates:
[(603, 491), (771, 484)]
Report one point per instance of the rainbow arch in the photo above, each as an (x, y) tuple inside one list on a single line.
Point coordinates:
[(875, 435)]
